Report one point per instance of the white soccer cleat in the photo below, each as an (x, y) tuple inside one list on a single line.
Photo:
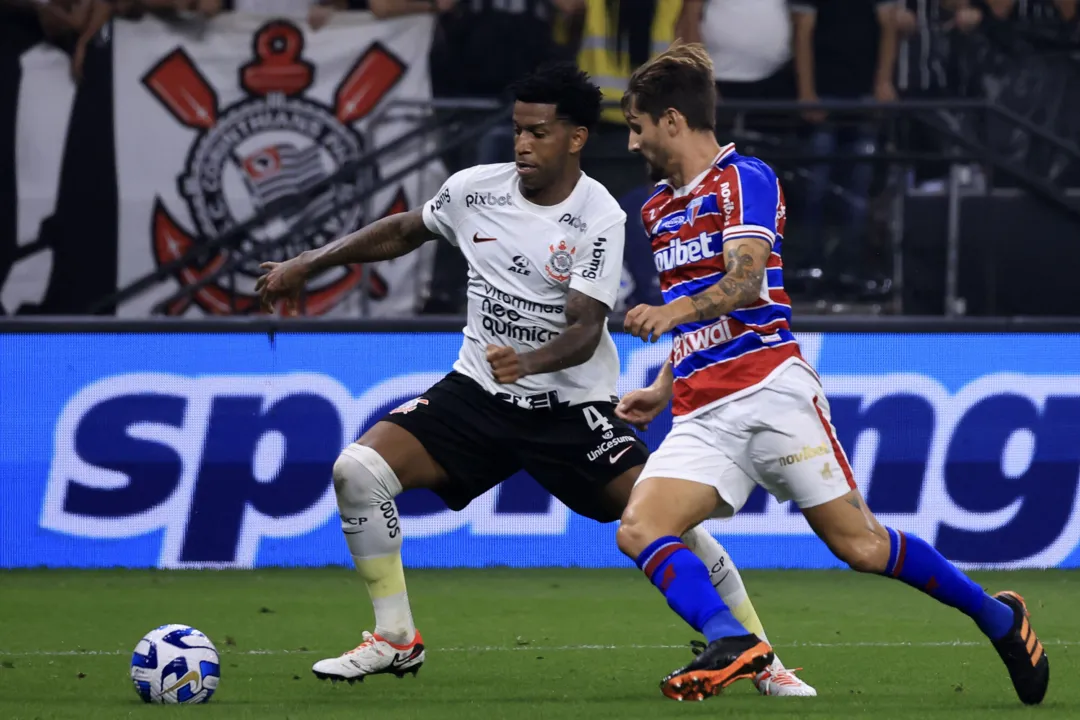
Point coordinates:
[(374, 656), (781, 682)]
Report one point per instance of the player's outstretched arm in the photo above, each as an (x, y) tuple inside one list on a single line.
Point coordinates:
[(383, 239), (585, 318)]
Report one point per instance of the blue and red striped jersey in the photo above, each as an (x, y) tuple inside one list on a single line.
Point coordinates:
[(722, 358)]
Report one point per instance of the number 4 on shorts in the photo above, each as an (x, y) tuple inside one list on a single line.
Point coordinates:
[(595, 419)]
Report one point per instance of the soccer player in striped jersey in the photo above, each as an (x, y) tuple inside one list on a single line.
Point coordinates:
[(749, 409)]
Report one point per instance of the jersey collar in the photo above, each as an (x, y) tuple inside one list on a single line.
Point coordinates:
[(725, 152)]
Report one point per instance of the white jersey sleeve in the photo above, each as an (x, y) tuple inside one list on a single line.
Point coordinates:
[(598, 266), (443, 212)]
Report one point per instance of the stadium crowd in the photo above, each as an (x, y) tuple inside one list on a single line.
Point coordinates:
[(869, 51)]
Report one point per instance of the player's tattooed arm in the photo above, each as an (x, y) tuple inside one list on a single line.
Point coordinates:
[(585, 319), (383, 239), (745, 260)]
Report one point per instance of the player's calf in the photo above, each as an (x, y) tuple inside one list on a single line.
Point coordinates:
[(660, 509), (856, 537), (366, 486)]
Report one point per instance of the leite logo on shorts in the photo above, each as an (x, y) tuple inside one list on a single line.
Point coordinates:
[(272, 144), (561, 261)]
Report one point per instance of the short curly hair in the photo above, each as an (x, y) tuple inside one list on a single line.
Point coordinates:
[(575, 97)]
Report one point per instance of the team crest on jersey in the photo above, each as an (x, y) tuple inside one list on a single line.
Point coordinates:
[(260, 152), (408, 407), (693, 209), (561, 260)]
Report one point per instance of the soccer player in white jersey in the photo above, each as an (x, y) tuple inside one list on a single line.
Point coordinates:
[(748, 408), (534, 384)]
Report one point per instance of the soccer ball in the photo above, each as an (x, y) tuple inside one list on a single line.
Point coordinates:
[(175, 664)]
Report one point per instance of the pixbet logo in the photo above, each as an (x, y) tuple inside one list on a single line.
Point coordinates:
[(574, 221), (488, 200)]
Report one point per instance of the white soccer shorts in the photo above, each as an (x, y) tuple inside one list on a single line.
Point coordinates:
[(780, 437)]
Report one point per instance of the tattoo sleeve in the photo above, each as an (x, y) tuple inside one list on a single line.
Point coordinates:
[(744, 262), (383, 239), (585, 318)]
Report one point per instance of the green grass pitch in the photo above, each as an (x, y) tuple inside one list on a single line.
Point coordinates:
[(517, 644)]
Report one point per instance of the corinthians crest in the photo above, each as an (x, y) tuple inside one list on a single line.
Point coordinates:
[(270, 145), (561, 261)]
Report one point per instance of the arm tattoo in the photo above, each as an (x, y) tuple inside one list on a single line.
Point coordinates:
[(741, 284), (383, 239), (585, 318)]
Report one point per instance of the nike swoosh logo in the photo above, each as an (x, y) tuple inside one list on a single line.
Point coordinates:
[(189, 676), (477, 239), (400, 660), (614, 458), (352, 532)]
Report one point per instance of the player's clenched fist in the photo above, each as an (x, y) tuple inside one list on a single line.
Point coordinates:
[(506, 365), (649, 322)]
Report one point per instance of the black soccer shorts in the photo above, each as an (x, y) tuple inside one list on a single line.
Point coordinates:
[(573, 451)]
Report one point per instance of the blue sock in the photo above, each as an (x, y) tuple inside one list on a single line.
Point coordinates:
[(914, 562), (684, 580)]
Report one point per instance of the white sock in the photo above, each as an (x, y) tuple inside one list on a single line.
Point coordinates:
[(366, 487), (726, 579)]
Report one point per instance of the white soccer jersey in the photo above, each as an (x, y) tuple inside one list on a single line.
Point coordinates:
[(523, 261)]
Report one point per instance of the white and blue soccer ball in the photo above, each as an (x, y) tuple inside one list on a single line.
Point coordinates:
[(175, 664)]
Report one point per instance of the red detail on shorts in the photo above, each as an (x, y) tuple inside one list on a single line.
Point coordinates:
[(838, 451)]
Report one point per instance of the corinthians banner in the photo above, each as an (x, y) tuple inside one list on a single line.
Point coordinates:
[(213, 127), (207, 126)]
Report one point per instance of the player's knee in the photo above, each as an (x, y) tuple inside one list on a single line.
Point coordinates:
[(631, 539), (635, 533), (362, 476), (865, 553)]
